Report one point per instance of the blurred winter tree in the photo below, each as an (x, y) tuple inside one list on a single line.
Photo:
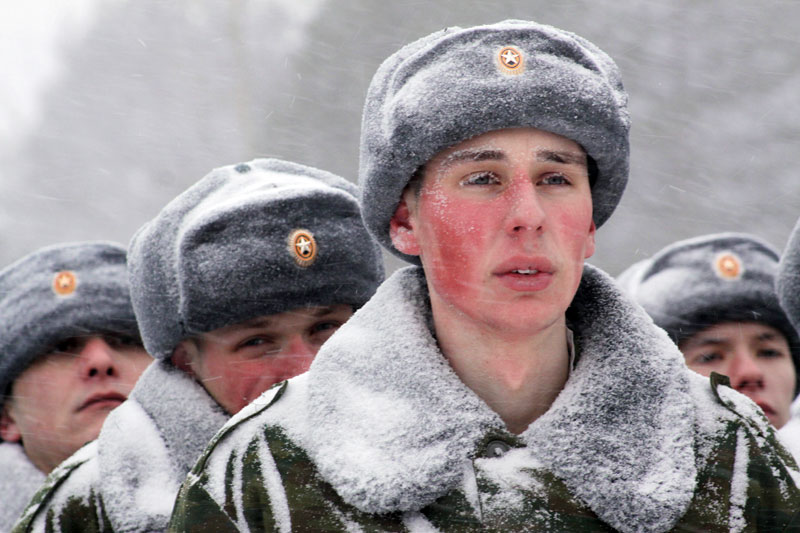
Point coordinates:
[(158, 93)]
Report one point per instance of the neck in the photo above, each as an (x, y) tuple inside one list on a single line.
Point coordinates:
[(42, 462), (518, 376)]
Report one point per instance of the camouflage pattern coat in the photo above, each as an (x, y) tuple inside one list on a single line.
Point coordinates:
[(381, 435), (127, 479)]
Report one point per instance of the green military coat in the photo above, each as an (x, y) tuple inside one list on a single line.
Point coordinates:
[(381, 435)]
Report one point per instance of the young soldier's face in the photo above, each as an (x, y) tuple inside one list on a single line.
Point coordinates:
[(237, 363), (502, 224), (60, 401), (754, 356)]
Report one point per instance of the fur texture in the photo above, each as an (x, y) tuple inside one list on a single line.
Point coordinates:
[(18, 483), (390, 425), (788, 279), (696, 283), (149, 444), (450, 86), (34, 315), (219, 252)]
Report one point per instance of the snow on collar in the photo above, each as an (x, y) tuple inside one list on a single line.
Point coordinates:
[(390, 425), (621, 432), (149, 443), (18, 483)]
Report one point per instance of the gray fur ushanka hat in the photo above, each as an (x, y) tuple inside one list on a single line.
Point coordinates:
[(248, 240), (788, 280), (696, 283), (60, 292), (458, 83)]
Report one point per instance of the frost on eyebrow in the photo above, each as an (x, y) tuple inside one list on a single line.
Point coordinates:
[(492, 153), (472, 154), (557, 156)]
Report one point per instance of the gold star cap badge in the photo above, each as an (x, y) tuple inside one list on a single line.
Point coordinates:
[(64, 283), (303, 247), (728, 266), (510, 60)]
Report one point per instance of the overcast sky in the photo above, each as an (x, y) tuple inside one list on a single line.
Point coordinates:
[(109, 108), (31, 36)]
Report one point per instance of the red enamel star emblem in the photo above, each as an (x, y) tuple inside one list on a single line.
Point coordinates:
[(728, 266), (510, 60), (64, 283), (303, 246)]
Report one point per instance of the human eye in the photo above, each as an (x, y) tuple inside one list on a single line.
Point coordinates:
[(258, 346), (122, 341), (706, 358), (324, 329), (68, 346), (555, 178), (770, 353), (253, 342), (480, 178)]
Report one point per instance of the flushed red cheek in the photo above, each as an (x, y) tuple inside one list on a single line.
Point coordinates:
[(457, 240), (251, 378)]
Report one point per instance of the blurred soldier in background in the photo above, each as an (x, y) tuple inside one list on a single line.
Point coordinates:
[(236, 284), (70, 352), (788, 286), (715, 296)]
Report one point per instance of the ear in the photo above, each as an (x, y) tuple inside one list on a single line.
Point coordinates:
[(401, 228), (185, 356), (590, 241), (9, 431)]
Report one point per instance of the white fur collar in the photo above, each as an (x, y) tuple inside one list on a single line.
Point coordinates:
[(150, 442), (390, 425), (18, 483)]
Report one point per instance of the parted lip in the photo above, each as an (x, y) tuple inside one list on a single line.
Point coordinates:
[(108, 396), (767, 408), (538, 263)]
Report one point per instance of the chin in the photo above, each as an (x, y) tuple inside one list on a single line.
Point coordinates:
[(777, 421), (515, 321)]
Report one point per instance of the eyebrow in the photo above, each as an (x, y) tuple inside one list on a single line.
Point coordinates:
[(568, 158), (769, 336), (702, 341), (256, 323), (552, 156), (470, 155), (705, 341), (714, 341), (322, 311), (265, 321)]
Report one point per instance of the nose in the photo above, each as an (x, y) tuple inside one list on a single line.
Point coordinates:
[(97, 359), (525, 213), (745, 373)]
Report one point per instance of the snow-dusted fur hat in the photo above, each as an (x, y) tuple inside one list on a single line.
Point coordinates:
[(458, 83), (247, 240), (788, 282), (59, 292), (696, 283)]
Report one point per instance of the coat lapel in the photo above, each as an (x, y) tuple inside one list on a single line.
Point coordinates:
[(390, 425), (150, 442), (621, 433)]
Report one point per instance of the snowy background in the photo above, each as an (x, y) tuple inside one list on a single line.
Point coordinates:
[(108, 109)]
